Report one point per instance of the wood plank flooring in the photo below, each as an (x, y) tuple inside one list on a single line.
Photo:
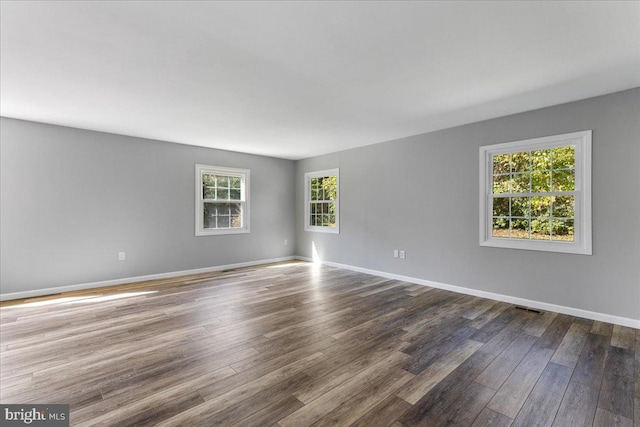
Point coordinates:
[(294, 344)]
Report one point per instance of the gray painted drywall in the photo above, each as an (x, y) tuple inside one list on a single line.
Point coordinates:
[(420, 194), (72, 199)]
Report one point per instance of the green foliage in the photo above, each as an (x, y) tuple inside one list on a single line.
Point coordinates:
[(324, 192), (532, 216), (217, 188), (221, 187), (324, 188)]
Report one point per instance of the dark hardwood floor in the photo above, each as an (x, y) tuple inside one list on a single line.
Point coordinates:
[(297, 345)]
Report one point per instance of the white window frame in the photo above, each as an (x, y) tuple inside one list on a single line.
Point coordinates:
[(244, 175), (582, 193), (308, 201)]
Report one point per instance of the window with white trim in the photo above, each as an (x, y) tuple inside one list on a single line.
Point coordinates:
[(322, 201), (222, 200), (536, 194)]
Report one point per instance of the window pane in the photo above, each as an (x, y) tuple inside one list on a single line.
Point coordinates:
[(208, 192), (223, 221), (564, 180), (234, 194), (223, 194), (209, 217), (520, 182), (519, 228), (501, 164), (562, 229), (564, 157), (222, 181), (563, 207), (520, 162), (235, 208), (541, 159), (331, 194), (540, 182), (500, 227), (235, 182), (501, 206), (540, 228), (330, 187), (540, 206), (209, 222), (520, 206), (501, 184)]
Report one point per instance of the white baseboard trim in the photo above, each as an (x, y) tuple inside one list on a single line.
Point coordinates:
[(602, 317), (82, 286)]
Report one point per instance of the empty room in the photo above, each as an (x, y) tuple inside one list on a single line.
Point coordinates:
[(348, 213)]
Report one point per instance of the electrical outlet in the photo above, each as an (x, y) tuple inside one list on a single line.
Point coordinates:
[(402, 255), (121, 256), (395, 253)]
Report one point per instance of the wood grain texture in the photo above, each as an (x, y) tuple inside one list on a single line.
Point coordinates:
[(605, 418), (542, 404), (491, 418), (590, 368), (623, 337), (513, 393), (290, 345), (578, 406), (500, 369), (571, 345), (423, 383)]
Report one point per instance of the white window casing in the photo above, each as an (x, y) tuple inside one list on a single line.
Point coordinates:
[(322, 201), (222, 200), (508, 206)]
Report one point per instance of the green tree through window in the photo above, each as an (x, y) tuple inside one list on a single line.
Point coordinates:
[(533, 194), (322, 201), (536, 194)]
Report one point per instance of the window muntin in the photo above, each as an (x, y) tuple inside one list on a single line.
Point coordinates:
[(221, 200), (535, 194), (322, 201)]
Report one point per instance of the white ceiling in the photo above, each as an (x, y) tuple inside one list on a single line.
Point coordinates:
[(298, 79)]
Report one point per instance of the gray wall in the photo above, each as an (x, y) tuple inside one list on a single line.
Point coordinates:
[(429, 207), (72, 199)]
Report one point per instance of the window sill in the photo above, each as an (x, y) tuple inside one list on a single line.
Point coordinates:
[(201, 233), (331, 230), (561, 247)]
